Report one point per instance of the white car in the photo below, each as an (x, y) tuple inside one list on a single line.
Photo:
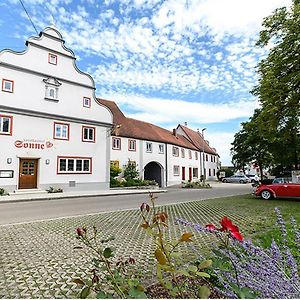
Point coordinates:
[(237, 179)]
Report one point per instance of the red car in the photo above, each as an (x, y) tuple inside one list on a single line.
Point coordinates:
[(278, 190)]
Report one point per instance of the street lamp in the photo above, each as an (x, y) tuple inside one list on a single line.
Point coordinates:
[(203, 155)]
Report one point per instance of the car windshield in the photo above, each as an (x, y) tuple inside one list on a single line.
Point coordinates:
[(282, 180)]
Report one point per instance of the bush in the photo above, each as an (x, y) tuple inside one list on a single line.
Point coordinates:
[(114, 171), (130, 171), (196, 185), (54, 190), (3, 192)]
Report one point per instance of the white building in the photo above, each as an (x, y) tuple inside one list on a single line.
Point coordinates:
[(53, 131), (159, 154)]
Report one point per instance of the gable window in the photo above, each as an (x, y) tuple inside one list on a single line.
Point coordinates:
[(116, 143), (175, 151), (51, 89), (5, 125), (148, 147), (88, 134), (176, 170), (7, 86), (182, 152), (61, 131), (74, 165), (132, 145), (196, 155), (52, 59), (190, 154), (86, 102), (160, 148)]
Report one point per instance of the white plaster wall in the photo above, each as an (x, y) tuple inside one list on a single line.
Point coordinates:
[(25, 127), (211, 165)]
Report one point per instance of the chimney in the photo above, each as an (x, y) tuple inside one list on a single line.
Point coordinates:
[(185, 123), (174, 132)]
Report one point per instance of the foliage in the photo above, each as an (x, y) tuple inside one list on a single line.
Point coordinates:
[(132, 182), (171, 272), (111, 278), (114, 171), (246, 270), (51, 190), (196, 185), (130, 171), (228, 172), (3, 192)]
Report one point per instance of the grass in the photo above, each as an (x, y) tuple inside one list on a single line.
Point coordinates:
[(46, 249)]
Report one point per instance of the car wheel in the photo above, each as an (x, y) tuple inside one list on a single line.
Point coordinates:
[(224, 180), (242, 181), (266, 195)]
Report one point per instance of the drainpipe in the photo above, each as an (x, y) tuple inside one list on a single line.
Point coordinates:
[(166, 158)]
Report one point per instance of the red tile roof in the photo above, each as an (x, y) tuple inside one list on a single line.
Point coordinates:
[(132, 128)]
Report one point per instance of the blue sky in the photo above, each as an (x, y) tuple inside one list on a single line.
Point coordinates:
[(164, 62)]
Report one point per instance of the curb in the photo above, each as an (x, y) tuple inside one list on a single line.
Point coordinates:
[(58, 197)]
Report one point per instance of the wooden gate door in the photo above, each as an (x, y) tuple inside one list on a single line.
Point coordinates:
[(183, 173), (28, 173)]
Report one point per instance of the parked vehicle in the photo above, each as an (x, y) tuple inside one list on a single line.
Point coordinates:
[(278, 190), (237, 179), (282, 180)]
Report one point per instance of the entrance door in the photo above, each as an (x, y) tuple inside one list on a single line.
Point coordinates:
[(183, 173), (190, 174), (28, 173)]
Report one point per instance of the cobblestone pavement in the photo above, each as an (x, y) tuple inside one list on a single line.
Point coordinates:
[(38, 259)]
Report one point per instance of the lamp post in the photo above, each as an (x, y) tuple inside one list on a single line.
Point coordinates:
[(203, 155)]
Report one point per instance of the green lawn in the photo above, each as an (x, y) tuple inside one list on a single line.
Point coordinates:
[(38, 260)]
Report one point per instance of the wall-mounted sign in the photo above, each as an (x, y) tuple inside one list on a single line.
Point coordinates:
[(6, 174), (33, 144)]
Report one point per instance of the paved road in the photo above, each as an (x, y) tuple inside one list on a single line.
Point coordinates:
[(49, 209)]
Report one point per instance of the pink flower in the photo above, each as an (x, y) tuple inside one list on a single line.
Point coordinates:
[(211, 227), (80, 231)]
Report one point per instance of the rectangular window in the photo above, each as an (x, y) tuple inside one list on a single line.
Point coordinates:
[(175, 151), (132, 145), (52, 59), (206, 157), (61, 131), (190, 154), (209, 172), (115, 163), (211, 158), (195, 172), (182, 152), (5, 125), (176, 170), (116, 143), (214, 172), (88, 134), (7, 86), (160, 148), (196, 155), (74, 165), (86, 102), (148, 147)]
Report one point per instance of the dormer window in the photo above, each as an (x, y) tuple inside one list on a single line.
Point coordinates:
[(51, 89), (86, 102), (52, 59)]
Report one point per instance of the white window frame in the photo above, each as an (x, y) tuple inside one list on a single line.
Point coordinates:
[(130, 144), (182, 152), (148, 147), (116, 143), (190, 154), (52, 59), (87, 102), (175, 151), (75, 162), (90, 129), (196, 155), (195, 170), (10, 82), (161, 149), (176, 170), (62, 126), (2, 119)]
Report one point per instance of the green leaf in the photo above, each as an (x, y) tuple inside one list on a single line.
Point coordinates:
[(168, 285), (107, 252), (134, 293), (85, 292), (204, 292), (205, 264), (203, 274), (103, 295), (192, 269), (175, 255), (184, 272), (78, 281)]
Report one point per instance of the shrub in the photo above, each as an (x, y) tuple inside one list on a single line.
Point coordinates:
[(3, 192), (130, 171), (51, 190), (114, 171), (196, 185)]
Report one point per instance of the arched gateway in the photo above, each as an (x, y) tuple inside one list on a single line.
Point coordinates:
[(154, 171)]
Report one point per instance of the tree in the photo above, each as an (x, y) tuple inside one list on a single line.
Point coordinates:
[(130, 171), (278, 88)]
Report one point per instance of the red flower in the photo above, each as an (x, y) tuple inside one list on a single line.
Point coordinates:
[(80, 231), (211, 227), (237, 235)]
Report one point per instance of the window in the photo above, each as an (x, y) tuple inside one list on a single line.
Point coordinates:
[(214, 172), (5, 125), (51, 89), (61, 131), (132, 145), (190, 154), (78, 165), (209, 172), (206, 157), (88, 134), (115, 163), (175, 151), (182, 153), (7, 86), (52, 59), (196, 155), (86, 102), (176, 170), (148, 147), (116, 143), (211, 158), (161, 148), (195, 172)]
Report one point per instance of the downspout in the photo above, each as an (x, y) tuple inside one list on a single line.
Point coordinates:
[(166, 167)]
